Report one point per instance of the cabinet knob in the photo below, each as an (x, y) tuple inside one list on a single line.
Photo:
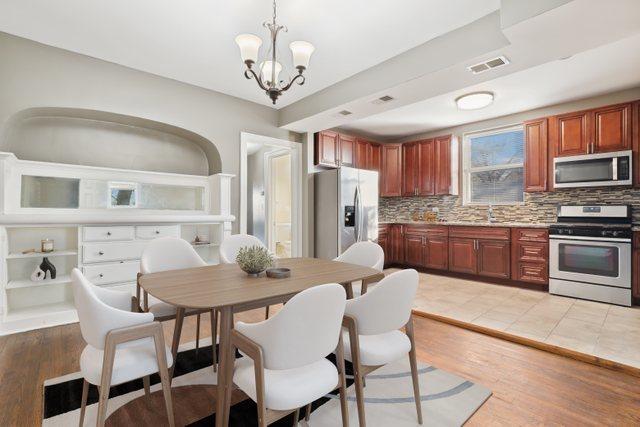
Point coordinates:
[(100, 275), (100, 253), (108, 233), (157, 232)]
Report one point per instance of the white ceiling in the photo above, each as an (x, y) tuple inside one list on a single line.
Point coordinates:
[(605, 69), (193, 41)]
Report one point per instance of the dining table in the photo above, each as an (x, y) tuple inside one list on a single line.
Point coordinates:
[(226, 289)]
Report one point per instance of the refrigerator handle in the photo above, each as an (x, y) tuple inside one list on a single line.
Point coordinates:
[(360, 216), (356, 204)]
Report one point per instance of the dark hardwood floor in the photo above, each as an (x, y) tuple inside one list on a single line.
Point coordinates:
[(530, 387)]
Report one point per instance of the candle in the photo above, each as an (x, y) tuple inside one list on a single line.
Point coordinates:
[(47, 245)]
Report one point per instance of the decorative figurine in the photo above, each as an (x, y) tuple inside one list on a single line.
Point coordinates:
[(48, 268), (46, 245), (38, 274)]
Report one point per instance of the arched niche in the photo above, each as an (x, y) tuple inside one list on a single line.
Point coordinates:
[(105, 139)]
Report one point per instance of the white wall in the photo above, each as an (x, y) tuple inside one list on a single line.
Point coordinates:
[(34, 75)]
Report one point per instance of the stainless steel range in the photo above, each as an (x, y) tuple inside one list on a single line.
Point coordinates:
[(590, 253)]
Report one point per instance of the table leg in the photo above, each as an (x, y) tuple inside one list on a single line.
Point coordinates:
[(225, 367), (349, 289), (176, 337)]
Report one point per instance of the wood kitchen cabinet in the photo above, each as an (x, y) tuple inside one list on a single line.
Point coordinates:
[(396, 243), (410, 169), (530, 255), (598, 130), (635, 141), (327, 149), (485, 251), (383, 241), (436, 252), (362, 153), (347, 150), (374, 156), (536, 157), (426, 246), (426, 168), (333, 149), (442, 147), (391, 170), (413, 249)]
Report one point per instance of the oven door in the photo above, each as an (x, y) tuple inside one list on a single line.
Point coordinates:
[(590, 261)]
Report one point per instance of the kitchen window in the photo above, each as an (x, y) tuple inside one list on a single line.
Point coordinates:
[(493, 164)]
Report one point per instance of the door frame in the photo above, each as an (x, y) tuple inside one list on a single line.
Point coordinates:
[(296, 184), (269, 201)]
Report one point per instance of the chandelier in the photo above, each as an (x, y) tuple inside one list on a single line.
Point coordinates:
[(268, 70)]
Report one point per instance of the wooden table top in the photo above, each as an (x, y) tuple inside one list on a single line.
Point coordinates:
[(225, 284)]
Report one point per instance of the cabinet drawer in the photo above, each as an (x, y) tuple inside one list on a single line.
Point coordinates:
[(107, 234), (155, 231), (532, 272), (532, 251), (429, 230), (531, 234), (493, 233), (102, 274), (116, 251)]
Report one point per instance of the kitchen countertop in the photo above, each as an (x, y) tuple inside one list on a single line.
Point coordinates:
[(474, 223)]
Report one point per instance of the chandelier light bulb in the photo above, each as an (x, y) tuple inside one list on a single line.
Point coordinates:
[(301, 51)]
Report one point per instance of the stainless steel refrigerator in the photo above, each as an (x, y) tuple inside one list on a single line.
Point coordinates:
[(346, 209)]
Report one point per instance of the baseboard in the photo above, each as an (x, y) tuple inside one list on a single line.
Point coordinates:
[(583, 357)]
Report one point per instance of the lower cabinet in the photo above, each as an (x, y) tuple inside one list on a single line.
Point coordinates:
[(462, 255), (494, 258), (413, 249), (530, 255), (436, 254), (396, 243)]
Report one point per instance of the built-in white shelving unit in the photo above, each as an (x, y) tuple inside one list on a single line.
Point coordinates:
[(104, 243)]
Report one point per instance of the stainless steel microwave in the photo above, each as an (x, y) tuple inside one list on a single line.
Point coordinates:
[(593, 170)]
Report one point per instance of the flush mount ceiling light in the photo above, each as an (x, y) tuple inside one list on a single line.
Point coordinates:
[(474, 101), (267, 76)]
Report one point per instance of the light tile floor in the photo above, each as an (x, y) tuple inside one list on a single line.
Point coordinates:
[(608, 331)]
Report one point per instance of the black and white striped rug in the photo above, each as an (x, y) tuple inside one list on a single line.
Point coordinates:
[(447, 400)]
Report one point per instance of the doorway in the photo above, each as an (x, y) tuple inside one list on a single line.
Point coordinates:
[(270, 189)]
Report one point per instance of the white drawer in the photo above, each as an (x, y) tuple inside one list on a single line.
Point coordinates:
[(101, 274), (116, 251), (155, 231), (107, 234)]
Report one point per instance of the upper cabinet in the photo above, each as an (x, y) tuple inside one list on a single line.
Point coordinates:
[(327, 149), (374, 156), (442, 145), (333, 149), (391, 170), (598, 130), (410, 169), (536, 158), (426, 167), (635, 125), (362, 154), (612, 128), (347, 150)]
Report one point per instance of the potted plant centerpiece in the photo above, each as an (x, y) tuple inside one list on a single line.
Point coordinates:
[(253, 260)]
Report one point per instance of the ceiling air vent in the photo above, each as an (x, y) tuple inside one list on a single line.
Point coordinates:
[(383, 99), (488, 65), (345, 113)]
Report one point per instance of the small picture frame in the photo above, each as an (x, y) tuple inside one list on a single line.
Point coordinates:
[(123, 195)]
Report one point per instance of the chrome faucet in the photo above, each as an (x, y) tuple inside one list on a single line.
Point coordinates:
[(490, 216)]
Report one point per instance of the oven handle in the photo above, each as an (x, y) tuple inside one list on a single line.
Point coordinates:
[(591, 239)]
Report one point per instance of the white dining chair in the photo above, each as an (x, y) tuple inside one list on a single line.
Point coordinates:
[(366, 254), (121, 345), (285, 366), (230, 247), (173, 253), (372, 337)]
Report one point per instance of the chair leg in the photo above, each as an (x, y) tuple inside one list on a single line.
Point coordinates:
[(307, 412), (296, 417), (197, 333), (83, 404), (147, 385), (266, 312), (357, 374), (414, 370), (258, 369), (105, 382), (343, 385), (163, 370), (214, 338)]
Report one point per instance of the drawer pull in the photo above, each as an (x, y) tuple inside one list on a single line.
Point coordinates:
[(100, 253)]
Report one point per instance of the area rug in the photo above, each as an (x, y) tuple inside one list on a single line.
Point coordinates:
[(447, 400)]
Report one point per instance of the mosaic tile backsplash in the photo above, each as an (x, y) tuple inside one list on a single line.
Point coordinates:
[(537, 207)]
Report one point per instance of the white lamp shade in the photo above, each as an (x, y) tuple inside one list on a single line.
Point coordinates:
[(266, 69), (474, 101), (249, 45), (301, 53)]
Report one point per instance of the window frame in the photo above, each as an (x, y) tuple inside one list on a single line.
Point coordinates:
[(467, 169)]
